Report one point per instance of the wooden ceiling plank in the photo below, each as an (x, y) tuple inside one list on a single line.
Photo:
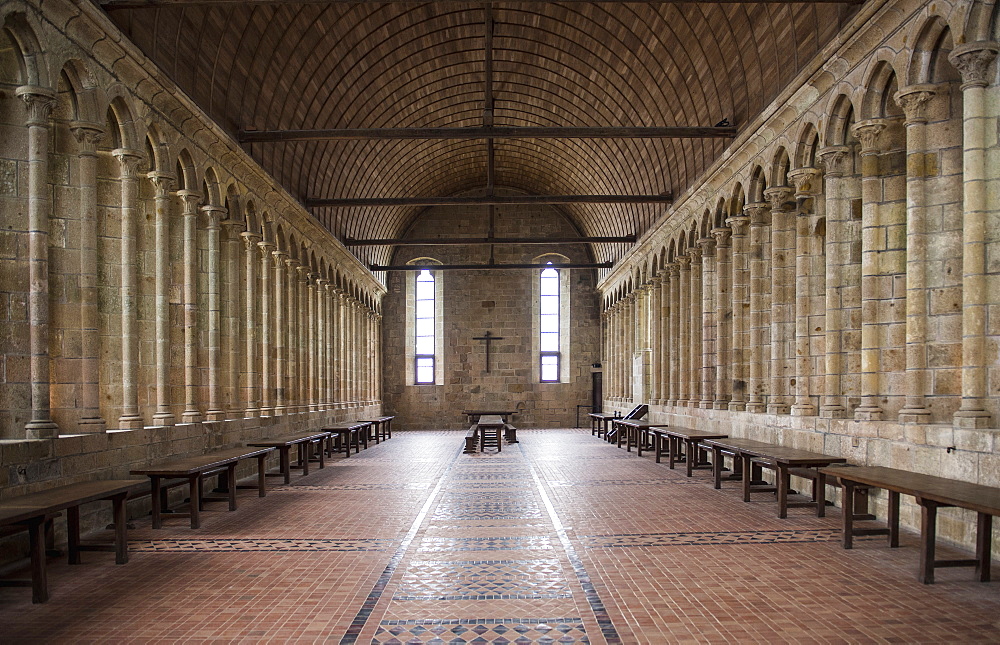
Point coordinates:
[(661, 132), (489, 200)]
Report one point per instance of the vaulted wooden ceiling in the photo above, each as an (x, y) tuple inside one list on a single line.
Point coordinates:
[(278, 66)]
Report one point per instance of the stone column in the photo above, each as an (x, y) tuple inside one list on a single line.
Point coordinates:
[(331, 346), (129, 160), (655, 343), (355, 353), (377, 354), (189, 221), (162, 183), (612, 353), (973, 61), (39, 102), (663, 338), (674, 325), (807, 181), (782, 296), (868, 133), (251, 387), (724, 318), (706, 352), (291, 384), (760, 304), (835, 160), (695, 357), (913, 100), (684, 342), (280, 333), (267, 299), (88, 135), (740, 312), (313, 352), (322, 344), (619, 345), (341, 343), (213, 219), (628, 346), (304, 359), (234, 229)]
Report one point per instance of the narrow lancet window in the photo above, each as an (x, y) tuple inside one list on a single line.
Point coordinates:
[(548, 309), (424, 328)]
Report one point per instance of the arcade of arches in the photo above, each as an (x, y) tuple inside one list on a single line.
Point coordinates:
[(828, 279)]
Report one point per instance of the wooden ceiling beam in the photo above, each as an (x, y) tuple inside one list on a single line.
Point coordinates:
[(347, 134), (469, 241), (490, 200), (111, 5), (486, 267)]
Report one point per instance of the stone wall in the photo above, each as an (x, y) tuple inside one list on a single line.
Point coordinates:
[(502, 302)]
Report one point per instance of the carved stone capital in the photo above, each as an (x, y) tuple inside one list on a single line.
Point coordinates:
[(778, 196), (868, 133), (213, 215), (162, 182), (972, 60), (738, 223), (673, 270), (39, 101), (913, 100), (251, 240), (759, 213), (707, 245), (279, 258), (234, 225), (129, 160), (191, 200), (683, 262), (808, 181), (304, 271), (88, 135), (694, 253), (721, 236), (835, 160), (292, 264), (265, 248)]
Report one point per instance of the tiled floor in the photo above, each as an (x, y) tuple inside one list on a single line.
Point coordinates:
[(559, 539)]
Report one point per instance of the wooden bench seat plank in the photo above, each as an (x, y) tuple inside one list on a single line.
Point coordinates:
[(284, 445), (690, 437), (599, 422), (348, 433)]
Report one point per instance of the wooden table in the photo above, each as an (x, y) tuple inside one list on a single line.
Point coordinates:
[(732, 446), (475, 414), (675, 436), (490, 430), (636, 432), (931, 493), (599, 422), (381, 426), (780, 459), (347, 434), (302, 441), (33, 510)]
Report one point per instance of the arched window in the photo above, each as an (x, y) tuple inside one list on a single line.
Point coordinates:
[(549, 325), (424, 328)]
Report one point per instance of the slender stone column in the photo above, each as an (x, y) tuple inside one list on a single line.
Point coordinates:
[(674, 325), (313, 349), (370, 363), (251, 389), (341, 344), (684, 316), (868, 132), (355, 353), (706, 352), (782, 296), (612, 353), (807, 181), (377, 354), (213, 218), (628, 328), (234, 228), (724, 318), (88, 135), (655, 343), (304, 359), (322, 346), (189, 221), (835, 160), (129, 160), (695, 357), (267, 361), (760, 303), (331, 345), (162, 183), (619, 344), (291, 384), (740, 312), (973, 61), (280, 333), (913, 100)]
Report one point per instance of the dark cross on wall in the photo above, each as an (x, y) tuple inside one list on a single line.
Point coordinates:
[(488, 338)]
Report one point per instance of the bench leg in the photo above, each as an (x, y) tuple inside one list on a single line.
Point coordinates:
[(322, 459), (928, 537), (157, 499), (717, 468), (194, 483), (231, 484), (121, 528), (39, 579), (848, 513), (781, 474), (820, 495), (692, 456), (284, 463), (304, 449), (261, 475), (73, 533), (747, 470), (893, 519), (984, 538)]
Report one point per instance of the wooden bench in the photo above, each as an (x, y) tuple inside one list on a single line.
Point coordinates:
[(635, 433), (33, 511), (637, 412), (510, 433), (780, 459), (347, 434), (381, 428), (192, 471), (931, 494), (599, 422), (472, 440), (676, 437), (474, 415), (303, 442), (490, 427)]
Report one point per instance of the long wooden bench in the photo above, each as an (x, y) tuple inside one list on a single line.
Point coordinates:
[(33, 511), (472, 440), (637, 412), (634, 433), (491, 427), (381, 428), (192, 471), (346, 434), (931, 494), (675, 438), (599, 422), (302, 442)]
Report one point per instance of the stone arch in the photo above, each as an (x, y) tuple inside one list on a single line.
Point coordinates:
[(554, 258), (840, 117), (80, 92), (211, 187), (187, 173), (757, 186), (234, 203), (881, 86), (807, 145), (721, 211), (157, 149), (252, 221), (929, 56), (737, 201), (279, 238), (27, 53), (780, 167), (121, 124)]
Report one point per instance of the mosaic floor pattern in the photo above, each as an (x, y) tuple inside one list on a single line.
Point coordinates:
[(562, 538)]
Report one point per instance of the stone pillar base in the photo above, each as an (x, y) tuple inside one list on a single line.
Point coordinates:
[(91, 425), (720, 405), (869, 413), (251, 413), (914, 415), (756, 407), (42, 429), (131, 422), (737, 406), (163, 419), (215, 415), (971, 419), (777, 408), (803, 410), (833, 411), (191, 416)]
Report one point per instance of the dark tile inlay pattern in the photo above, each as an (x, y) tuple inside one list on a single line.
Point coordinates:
[(715, 538), (481, 631), (432, 544), (483, 580), (247, 545)]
